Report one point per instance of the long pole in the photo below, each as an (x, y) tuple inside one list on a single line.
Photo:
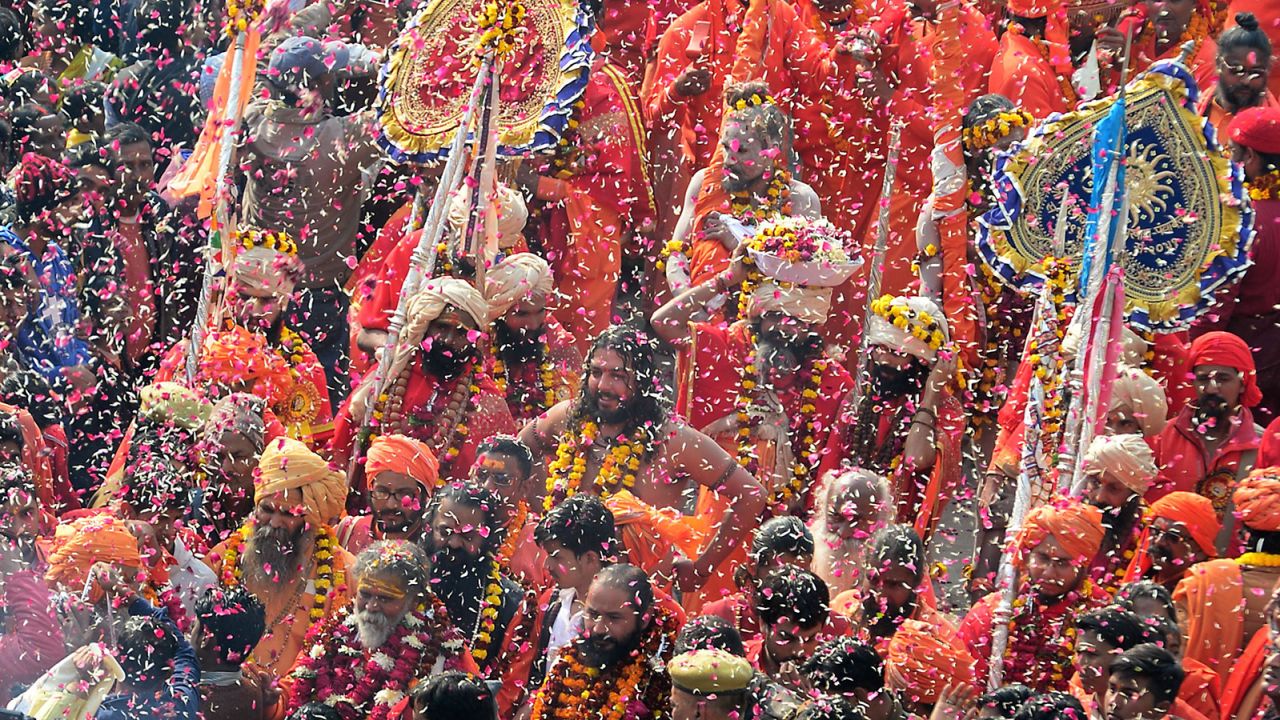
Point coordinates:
[(221, 217)]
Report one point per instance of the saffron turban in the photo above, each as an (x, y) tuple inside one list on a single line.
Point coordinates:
[(710, 672), (1194, 511), (1223, 348), (923, 658), (1126, 458), (1136, 392), (809, 305), (168, 403), (236, 359), (1257, 499), (515, 278), (404, 455), (512, 214), (77, 546), (287, 464), (263, 269), (1257, 129), (1077, 526), (884, 332)]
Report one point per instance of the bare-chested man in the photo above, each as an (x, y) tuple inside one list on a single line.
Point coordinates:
[(615, 440)]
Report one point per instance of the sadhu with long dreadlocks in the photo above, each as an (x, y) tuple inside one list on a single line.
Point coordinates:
[(617, 440)]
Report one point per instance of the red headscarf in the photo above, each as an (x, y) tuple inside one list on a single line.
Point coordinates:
[(1077, 526), (1258, 129), (1223, 348), (1257, 499), (1193, 510)]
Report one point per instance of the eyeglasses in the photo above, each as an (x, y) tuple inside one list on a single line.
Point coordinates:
[(382, 494), (484, 475), (1250, 74)]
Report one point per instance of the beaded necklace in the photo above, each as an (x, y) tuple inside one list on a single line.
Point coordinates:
[(450, 424), (527, 398)]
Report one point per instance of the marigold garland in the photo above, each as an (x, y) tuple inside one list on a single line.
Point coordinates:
[(500, 25), (1049, 365), (1259, 559), (250, 238), (546, 381), (1052, 642), (241, 14), (1265, 187), (487, 617), (576, 691), (987, 134), (325, 576), (920, 324), (617, 472), (743, 204), (514, 528)]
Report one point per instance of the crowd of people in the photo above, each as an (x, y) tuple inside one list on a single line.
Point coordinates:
[(615, 464)]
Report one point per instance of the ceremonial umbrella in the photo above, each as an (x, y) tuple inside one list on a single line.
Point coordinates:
[(1188, 223), (427, 82)]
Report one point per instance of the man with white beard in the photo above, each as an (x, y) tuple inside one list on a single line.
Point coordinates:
[(851, 506), (394, 633)]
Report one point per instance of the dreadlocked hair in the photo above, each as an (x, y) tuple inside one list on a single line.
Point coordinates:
[(639, 351)]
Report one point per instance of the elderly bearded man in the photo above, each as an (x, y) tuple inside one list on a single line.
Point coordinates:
[(619, 657), (617, 441), (395, 633), (850, 507), (287, 554), (438, 390), (905, 425), (1118, 469)]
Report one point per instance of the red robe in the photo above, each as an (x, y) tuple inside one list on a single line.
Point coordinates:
[(1023, 74), (1184, 465)]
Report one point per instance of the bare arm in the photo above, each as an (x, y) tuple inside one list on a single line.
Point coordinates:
[(542, 434), (671, 321), (699, 457), (920, 450), (678, 263)]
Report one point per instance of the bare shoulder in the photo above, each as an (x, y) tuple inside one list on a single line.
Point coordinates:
[(690, 450), (542, 432)]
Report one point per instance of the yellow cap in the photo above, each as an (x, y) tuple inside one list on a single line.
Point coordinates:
[(704, 672)]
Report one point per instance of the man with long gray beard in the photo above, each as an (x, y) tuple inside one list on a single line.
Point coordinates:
[(287, 554), (850, 507), (494, 612), (393, 634)]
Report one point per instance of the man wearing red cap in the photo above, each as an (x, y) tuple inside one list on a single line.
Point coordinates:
[(1181, 530), (401, 472), (1249, 308), (1222, 603), (1212, 442)]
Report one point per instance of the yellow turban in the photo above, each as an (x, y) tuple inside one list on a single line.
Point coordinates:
[(1141, 394), (263, 269), (287, 464), (807, 304), (1126, 458), (514, 279), (710, 672), (883, 332), (512, 214)]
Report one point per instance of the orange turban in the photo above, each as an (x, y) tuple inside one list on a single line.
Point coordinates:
[(77, 546), (240, 361), (923, 659), (1077, 526), (1223, 348), (287, 464), (403, 455), (1193, 510), (1257, 499)]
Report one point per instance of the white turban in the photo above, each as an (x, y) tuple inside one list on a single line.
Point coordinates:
[(514, 279), (1133, 348), (266, 270), (1126, 458), (1139, 393), (806, 304), (883, 332), (512, 213)]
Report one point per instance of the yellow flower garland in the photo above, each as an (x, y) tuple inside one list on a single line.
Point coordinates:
[(500, 24), (249, 238), (919, 324), (487, 618), (325, 578), (1265, 187), (546, 377), (617, 472), (987, 134)]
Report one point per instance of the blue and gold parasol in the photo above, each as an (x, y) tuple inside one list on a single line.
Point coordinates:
[(1188, 225), (427, 82)]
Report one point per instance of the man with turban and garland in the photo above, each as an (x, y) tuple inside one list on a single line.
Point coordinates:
[(533, 360), (1248, 308), (365, 657), (1052, 553), (402, 473), (1222, 603), (904, 424), (436, 389), (615, 666), (1118, 469), (287, 553), (1180, 531), (1212, 443), (618, 441), (254, 351), (762, 387), (922, 661)]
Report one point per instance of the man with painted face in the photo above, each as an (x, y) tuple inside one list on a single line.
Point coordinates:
[(631, 453), (1212, 443), (493, 611), (436, 389), (774, 359), (904, 424), (1051, 554)]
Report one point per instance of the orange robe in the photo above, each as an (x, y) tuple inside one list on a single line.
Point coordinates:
[(1242, 693), (288, 618), (1213, 595), (1023, 74), (1218, 116)]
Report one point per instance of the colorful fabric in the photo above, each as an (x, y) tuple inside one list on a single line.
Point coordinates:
[(1077, 526), (1193, 511), (1126, 458), (288, 464), (1225, 349), (923, 659), (1257, 499), (404, 455), (1211, 602)]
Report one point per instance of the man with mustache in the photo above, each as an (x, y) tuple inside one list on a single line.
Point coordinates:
[(904, 424), (618, 441), (896, 587), (402, 473), (504, 467), (533, 359), (287, 554), (1212, 442), (1244, 67), (492, 610), (436, 389), (1180, 531), (851, 506), (1118, 469), (392, 635)]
